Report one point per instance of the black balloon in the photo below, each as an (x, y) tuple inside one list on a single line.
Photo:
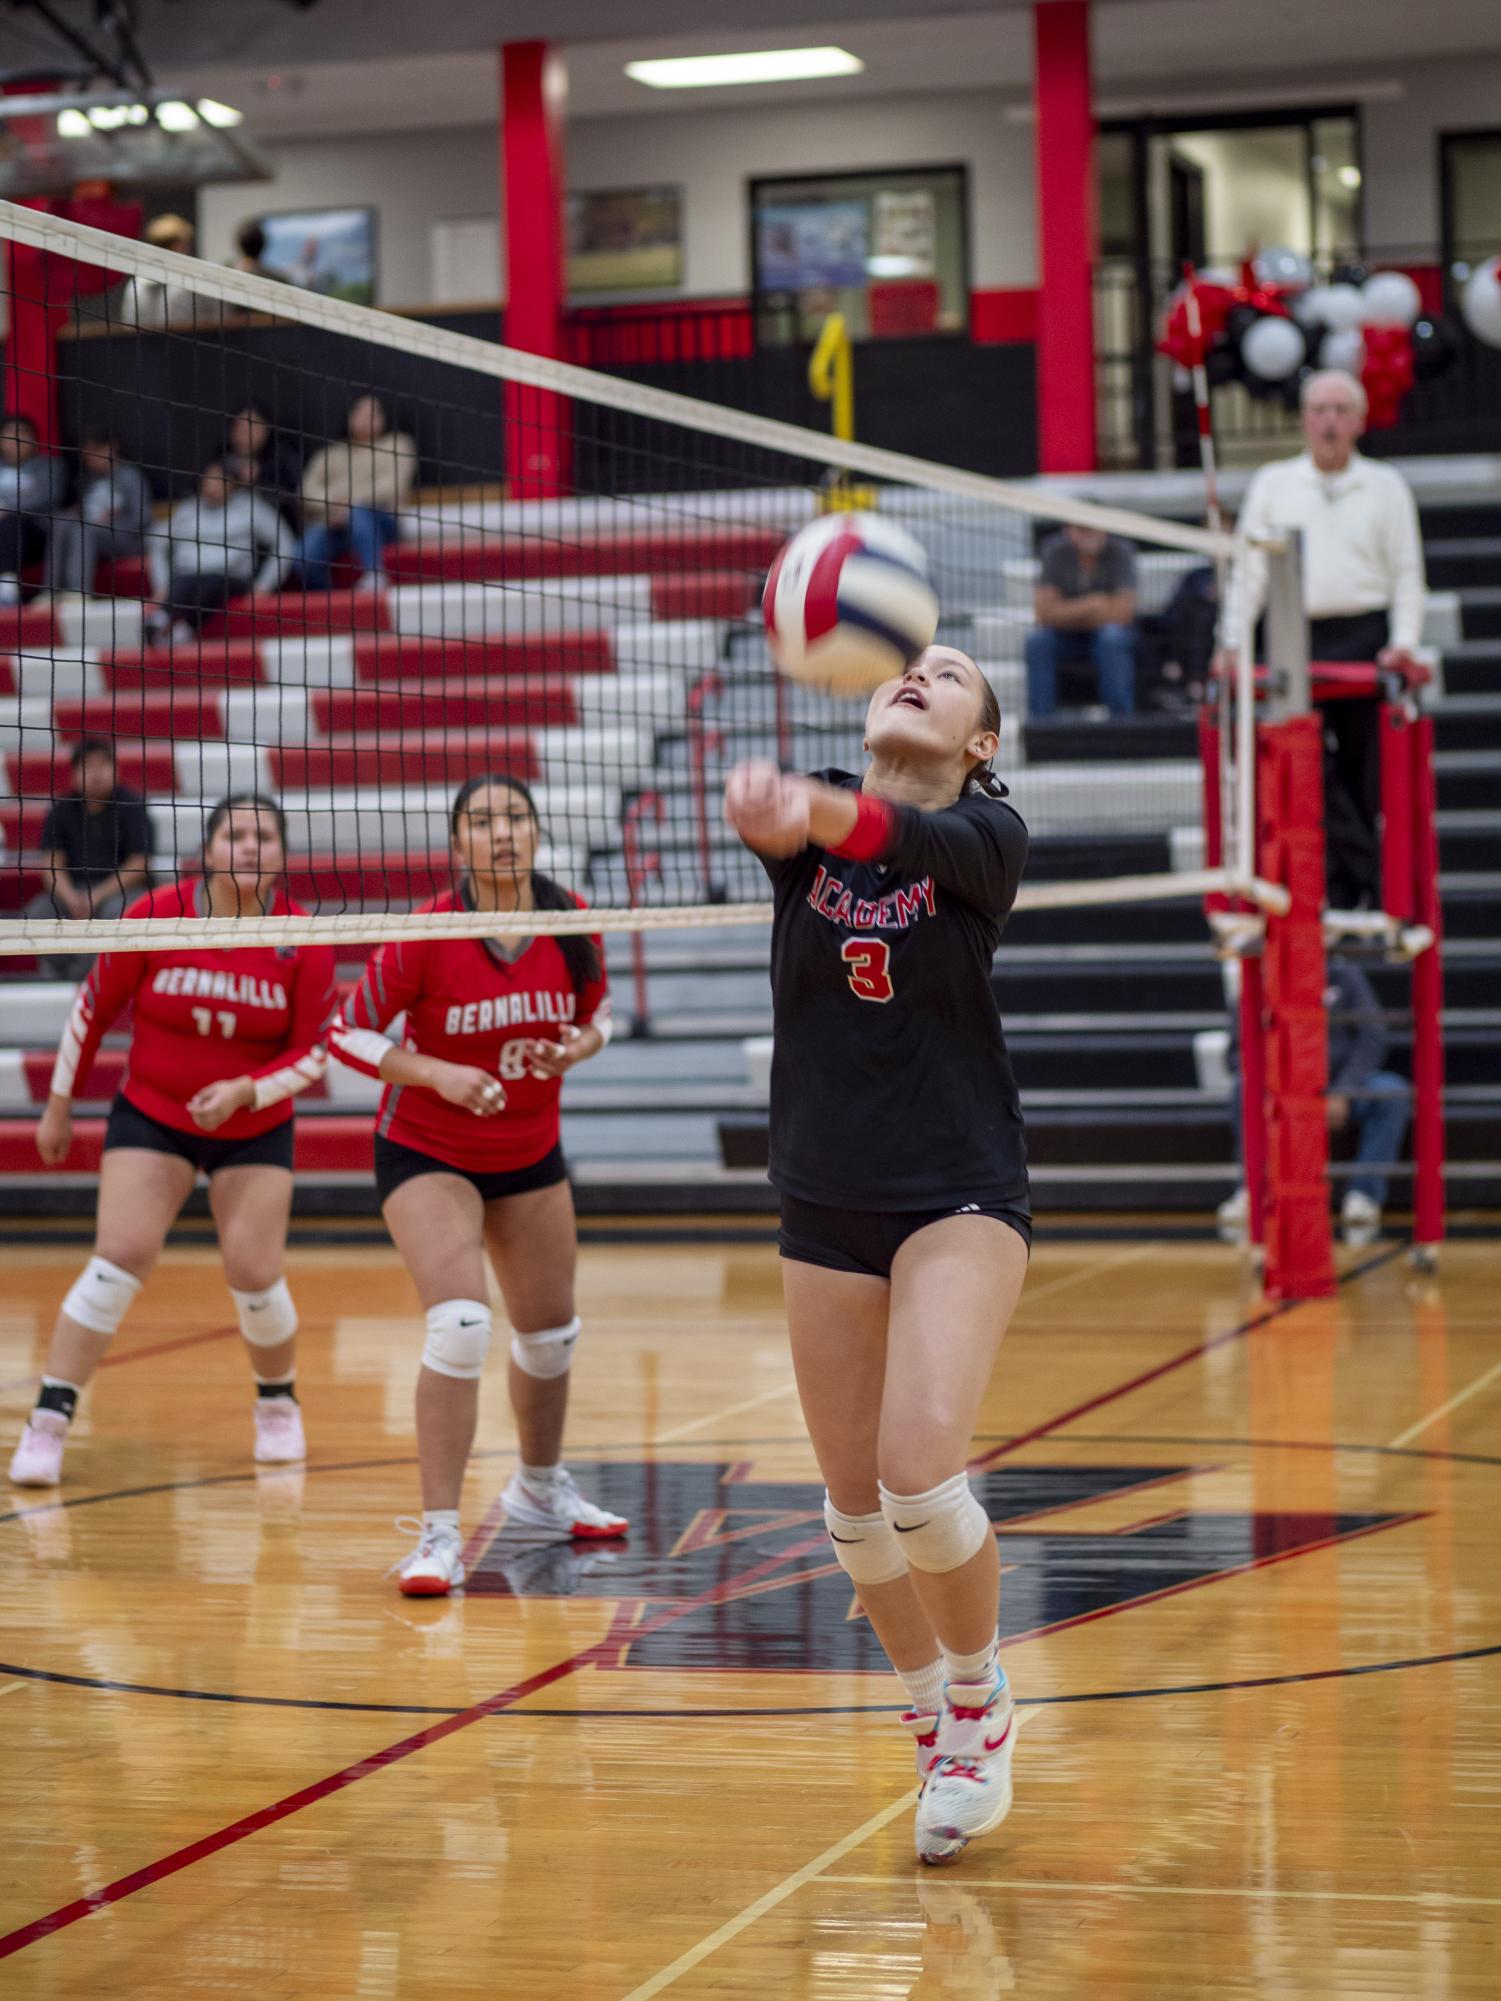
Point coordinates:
[(1223, 365), (1349, 274), (1434, 348)]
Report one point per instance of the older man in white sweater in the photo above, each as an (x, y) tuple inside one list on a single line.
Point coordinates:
[(1364, 591)]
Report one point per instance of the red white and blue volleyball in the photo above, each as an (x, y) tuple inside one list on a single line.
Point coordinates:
[(848, 603)]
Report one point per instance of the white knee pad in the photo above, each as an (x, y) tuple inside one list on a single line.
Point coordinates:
[(867, 1550), (100, 1296), (548, 1353), (458, 1338), (938, 1530), (266, 1318)]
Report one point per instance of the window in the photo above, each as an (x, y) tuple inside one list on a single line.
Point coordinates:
[(888, 250)]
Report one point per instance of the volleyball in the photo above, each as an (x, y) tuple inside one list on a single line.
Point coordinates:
[(848, 603)]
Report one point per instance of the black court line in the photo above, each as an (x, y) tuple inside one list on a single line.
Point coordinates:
[(105, 1686)]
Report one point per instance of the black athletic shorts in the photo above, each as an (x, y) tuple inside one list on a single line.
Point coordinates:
[(866, 1240), (129, 1126), (395, 1163)]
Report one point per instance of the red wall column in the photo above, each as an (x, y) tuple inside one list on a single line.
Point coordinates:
[(533, 103), (1066, 237)]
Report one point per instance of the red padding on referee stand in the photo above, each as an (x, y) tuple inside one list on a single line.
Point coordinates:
[(1397, 888), (1290, 789), (1427, 1001)]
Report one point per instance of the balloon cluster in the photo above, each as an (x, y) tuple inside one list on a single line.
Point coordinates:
[(1271, 326)]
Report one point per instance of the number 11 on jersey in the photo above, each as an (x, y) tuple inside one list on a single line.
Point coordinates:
[(869, 963)]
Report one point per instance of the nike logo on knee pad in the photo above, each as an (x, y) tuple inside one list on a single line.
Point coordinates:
[(908, 1528), (844, 1538)]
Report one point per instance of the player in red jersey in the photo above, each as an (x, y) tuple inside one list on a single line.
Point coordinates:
[(221, 1043), (468, 1161)]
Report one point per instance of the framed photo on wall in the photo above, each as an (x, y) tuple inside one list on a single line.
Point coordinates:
[(328, 250), (625, 240)]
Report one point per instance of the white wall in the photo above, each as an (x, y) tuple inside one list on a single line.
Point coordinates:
[(1255, 189), (412, 178), (715, 154), (416, 178)]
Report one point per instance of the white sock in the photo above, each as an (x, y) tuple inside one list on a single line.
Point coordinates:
[(541, 1476), (445, 1520), (924, 1685), (974, 1670)]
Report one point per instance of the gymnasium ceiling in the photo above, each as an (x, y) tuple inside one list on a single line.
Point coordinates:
[(349, 65)]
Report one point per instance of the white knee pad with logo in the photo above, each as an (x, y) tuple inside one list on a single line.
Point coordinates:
[(547, 1353), (458, 1338), (266, 1318), (867, 1550), (100, 1296), (940, 1529)]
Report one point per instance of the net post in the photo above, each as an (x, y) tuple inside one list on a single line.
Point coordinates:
[(1398, 811), (1427, 1008), (702, 743), (639, 870)]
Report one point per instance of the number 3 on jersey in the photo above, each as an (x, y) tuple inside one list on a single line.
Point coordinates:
[(869, 962)]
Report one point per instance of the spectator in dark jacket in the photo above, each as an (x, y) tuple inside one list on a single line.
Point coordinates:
[(97, 845), (1362, 1094), (250, 244), (32, 486), (261, 460), (110, 519)]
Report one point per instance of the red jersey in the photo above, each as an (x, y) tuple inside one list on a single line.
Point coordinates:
[(204, 1015), (465, 1002)]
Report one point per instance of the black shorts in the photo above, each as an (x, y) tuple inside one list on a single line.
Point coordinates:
[(865, 1240), (395, 1163), (129, 1126)]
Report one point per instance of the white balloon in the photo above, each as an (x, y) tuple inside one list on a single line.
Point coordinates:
[(1391, 300), (1343, 349), (1337, 306), (1215, 274), (1284, 267), (1272, 348), (1481, 304)]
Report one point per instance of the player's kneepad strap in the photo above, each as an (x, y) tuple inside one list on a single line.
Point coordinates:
[(547, 1353), (867, 1550), (458, 1338), (266, 1318), (940, 1529), (100, 1296)]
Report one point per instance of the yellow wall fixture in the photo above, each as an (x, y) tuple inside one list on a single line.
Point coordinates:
[(831, 374)]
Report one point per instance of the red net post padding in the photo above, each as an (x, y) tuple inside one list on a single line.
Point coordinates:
[(1427, 1002)]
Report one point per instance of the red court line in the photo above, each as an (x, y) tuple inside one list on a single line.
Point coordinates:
[(136, 1354), (606, 1651)]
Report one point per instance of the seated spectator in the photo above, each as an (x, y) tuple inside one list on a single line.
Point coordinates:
[(148, 303), (217, 544), (32, 485), (1085, 605), (1361, 1095), (250, 245), (110, 519), (97, 842), (352, 493), (257, 456)]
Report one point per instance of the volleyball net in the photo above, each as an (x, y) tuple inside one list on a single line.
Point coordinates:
[(256, 539)]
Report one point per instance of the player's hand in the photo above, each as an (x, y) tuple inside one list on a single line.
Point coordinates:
[(472, 1090), (210, 1107), (1226, 660), (551, 1059), (768, 809), (1337, 1110), (1397, 660), (54, 1132)]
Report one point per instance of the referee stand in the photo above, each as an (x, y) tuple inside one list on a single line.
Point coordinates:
[(1283, 1017)]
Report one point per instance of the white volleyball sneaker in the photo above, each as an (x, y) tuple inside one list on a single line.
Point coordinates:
[(38, 1457), (968, 1790), (923, 1725), (435, 1566), (552, 1509), (279, 1437)]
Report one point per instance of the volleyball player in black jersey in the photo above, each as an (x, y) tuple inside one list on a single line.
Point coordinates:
[(898, 1150)]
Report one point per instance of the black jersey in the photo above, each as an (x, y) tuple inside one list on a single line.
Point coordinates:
[(891, 1087)]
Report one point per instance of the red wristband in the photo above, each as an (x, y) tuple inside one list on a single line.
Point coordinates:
[(872, 833)]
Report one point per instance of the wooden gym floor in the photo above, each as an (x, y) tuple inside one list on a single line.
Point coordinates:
[(1252, 1602)]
